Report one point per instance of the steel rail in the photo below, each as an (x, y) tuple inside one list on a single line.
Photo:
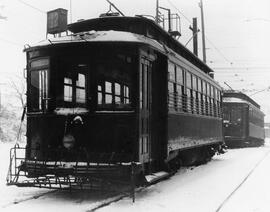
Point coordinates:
[(243, 181)]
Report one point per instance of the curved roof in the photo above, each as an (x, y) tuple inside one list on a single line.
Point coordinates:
[(233, 96), (100, 36), (139, 25)]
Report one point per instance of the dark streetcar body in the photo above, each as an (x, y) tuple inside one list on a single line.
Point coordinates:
[(116, 92), (243, 120)]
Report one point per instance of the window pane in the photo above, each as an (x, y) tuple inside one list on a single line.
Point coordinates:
[(126, 91), (188, 79), (126, 101), (194, 82), (179, 74), (68, 81), (39, 89), (199, 85), (117, 100), (117, 89), (203, 87), (170, 87), (179, 89), (99, 88), (108, 99), (171, 71), (40, 63), (99, 98), (81, 80), (67, 93), (80, 95), (35, 79), (108, 87)]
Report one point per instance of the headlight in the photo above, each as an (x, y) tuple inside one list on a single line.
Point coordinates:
[(68, 141)]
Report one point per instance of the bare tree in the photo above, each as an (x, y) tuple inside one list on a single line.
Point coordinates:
[(18, 89)]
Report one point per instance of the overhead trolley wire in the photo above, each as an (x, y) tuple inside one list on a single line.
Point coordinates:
[(179, 11), (11, 42), (189, 21), (31, 6)]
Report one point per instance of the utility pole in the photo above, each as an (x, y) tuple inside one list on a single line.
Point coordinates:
[(203, 32), (195, 31), (157, 12), (70, 8)]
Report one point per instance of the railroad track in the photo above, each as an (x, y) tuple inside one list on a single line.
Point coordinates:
[(121, 195), (105, 200), (28, 198), (242, 182)]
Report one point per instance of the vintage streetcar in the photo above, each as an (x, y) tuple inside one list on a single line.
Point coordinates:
[(243, 120), (116, 98)]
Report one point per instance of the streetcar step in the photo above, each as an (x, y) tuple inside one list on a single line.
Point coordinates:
[(157, 176)]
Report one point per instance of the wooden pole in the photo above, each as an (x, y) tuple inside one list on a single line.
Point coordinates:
[(203, 32)]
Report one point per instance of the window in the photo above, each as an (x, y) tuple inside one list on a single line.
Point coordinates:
[(199, 85), (117, 90), (100, 95), (179, 75), (38, 87), (171, 70), (194, 83), (113, 94), (172, 94), (75, 88), (67, 89), (189, 79), (171, 87), (43, 89), (80, 89), (126, 95), (108, 93)]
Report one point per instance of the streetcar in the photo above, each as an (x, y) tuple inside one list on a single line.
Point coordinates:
[(115, 97), (243, 120)]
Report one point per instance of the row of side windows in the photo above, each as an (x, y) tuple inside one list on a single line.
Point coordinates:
[(189, 93)]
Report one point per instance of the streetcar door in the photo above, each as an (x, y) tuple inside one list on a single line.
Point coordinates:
[(145, 103)]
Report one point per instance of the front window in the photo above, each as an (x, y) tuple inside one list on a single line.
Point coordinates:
[(80, 89), (75, 88), (112, 94), (114, 84)]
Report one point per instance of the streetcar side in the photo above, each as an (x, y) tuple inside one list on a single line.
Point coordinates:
[(194, 113), (242, 120)]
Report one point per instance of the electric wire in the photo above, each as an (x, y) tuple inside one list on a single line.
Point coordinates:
[(31, 6), (11, 42), (187, 19)]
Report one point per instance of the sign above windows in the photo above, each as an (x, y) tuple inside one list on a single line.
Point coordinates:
[(57, 21)]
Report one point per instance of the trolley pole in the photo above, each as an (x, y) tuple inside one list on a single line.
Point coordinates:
[(203, 32)]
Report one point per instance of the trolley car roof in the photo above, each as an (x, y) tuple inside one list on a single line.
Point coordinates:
[(100, 36), (126, 29), (232, 96), (139, 25)]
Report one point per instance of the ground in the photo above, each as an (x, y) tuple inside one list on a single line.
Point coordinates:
[(204, 188)]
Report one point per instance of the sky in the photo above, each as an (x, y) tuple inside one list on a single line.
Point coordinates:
[(237, 35)]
